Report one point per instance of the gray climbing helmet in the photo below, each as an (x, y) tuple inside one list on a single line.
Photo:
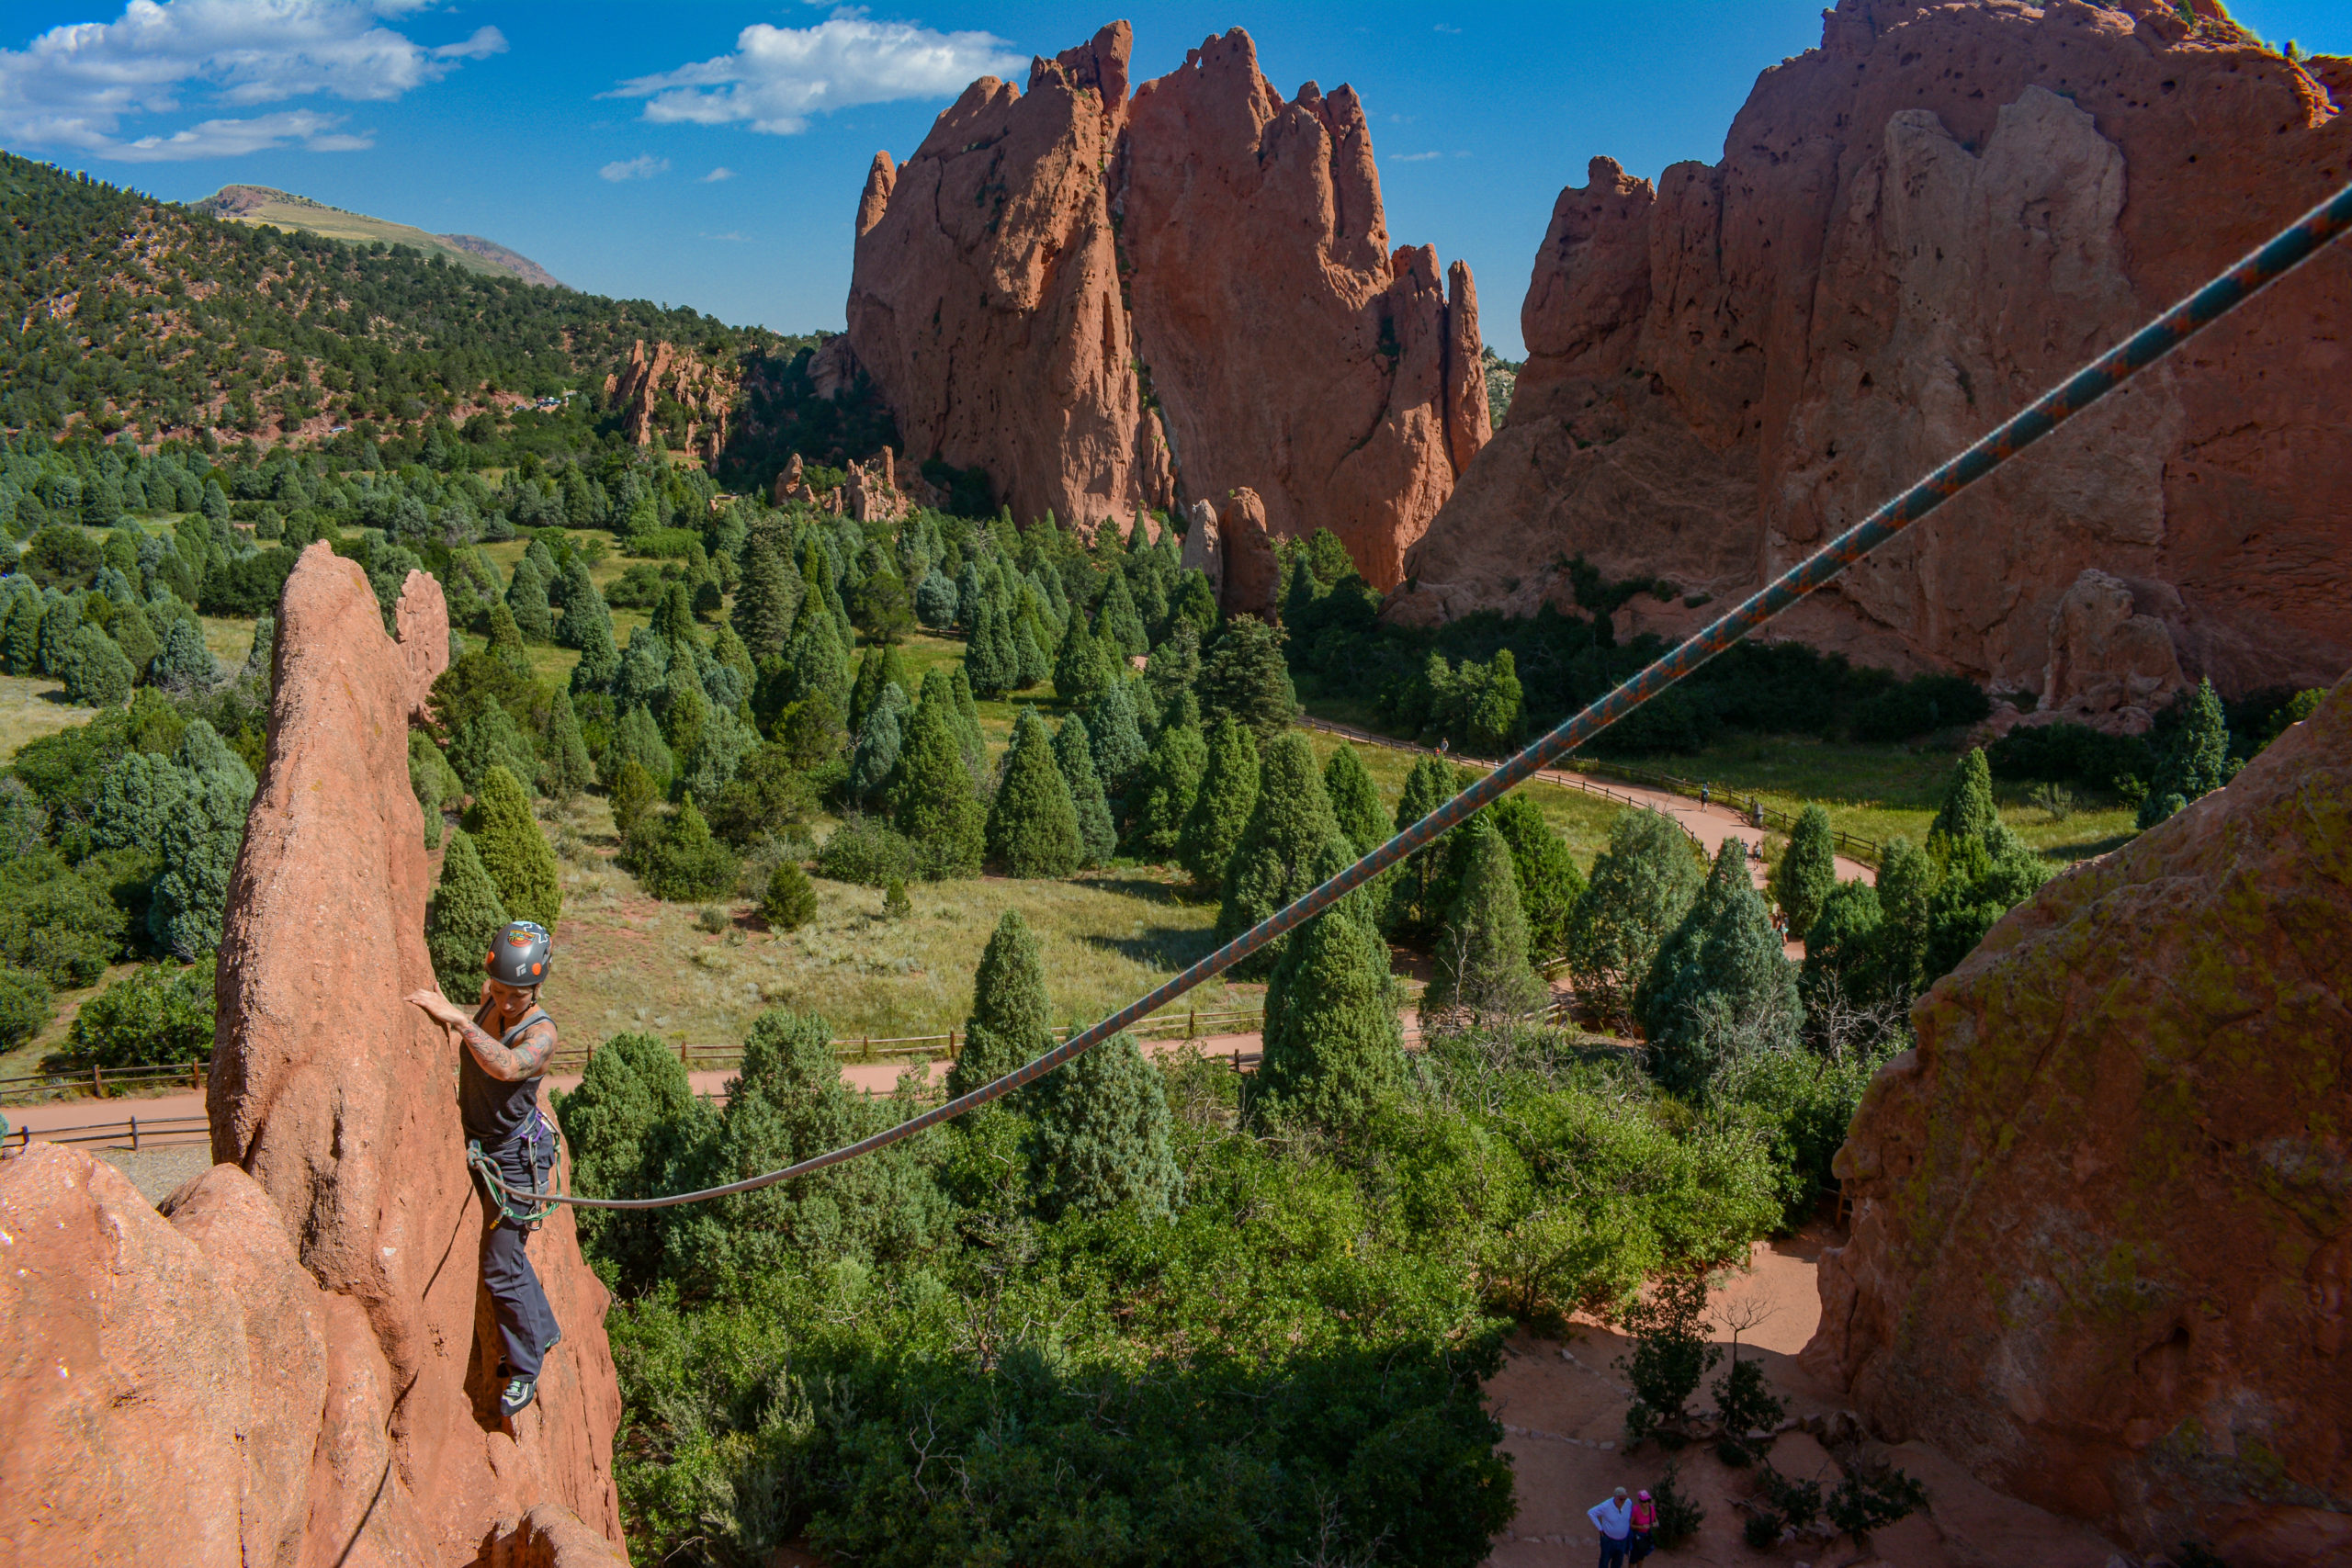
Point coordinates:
[(520, 953)]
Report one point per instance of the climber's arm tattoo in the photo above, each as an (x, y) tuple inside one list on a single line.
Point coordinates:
[(526, 1058)]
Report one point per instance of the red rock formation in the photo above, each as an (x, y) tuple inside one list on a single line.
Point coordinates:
[(1250, 577), (2101, 1247), (298, 1368), (1914, 229), (1038, 249), (706, 391)]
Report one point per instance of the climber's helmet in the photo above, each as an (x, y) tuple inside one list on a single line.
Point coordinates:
[(520, 954)]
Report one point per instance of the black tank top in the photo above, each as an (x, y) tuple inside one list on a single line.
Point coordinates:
[(496, 1112)]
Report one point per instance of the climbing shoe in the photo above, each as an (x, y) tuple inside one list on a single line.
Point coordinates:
[(515, 1396)]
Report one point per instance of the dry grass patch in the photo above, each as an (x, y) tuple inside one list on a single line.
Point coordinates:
[(30, 707)]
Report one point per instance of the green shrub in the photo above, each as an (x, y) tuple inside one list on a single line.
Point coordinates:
[(1679, 1514), (514, 850), (679, 861), (155, 1015), (1671, 1353), (1102, 1135), (866, 852), (461, 921), (25, 1007), (1864, 1503)]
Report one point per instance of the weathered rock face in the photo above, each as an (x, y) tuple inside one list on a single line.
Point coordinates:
[(1039, 248), (2103, 1213), (295, 1368), (707, 392), (1916, 228), (1250, 580)]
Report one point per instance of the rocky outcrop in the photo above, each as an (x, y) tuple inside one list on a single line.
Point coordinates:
[(296, 1367), (1916, 228), (1112, 304), (707, 392), (1249, 579), (2102, 1240)]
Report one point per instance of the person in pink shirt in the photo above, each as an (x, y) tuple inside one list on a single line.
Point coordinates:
[(1638, 1534)]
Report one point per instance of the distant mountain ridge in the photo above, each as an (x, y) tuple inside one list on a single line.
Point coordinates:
[(283, 209)]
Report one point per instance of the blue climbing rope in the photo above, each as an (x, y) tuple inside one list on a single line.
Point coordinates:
[(2289, 249)]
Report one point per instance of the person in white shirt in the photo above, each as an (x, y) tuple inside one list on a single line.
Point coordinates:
[(1614, 1520)]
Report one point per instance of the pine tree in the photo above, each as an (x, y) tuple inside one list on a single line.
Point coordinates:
[(575, 591), (512, 849), (790, 901), (1355, 800), (720, 749), (1549, 882), (463, 919), (184, 662), (567, 771), (1117, 622), (1807, 871), (1968, 811), (1032, 825), (1289, 831), (1663, 992), (1642, 884), (1221, 805), (1492, 723), (951, 689), (1246, 678), (818, 656), (684, 861), (1102, 1138), (506, 637), (1008, 1024), (643, 676), (634, 793), (932, 798), (527, 600), (1333, 1046), (1116, 735), (199, 842), (1162, 796), (1737, 998), (1906, 887), (637, 737), (1842, 948), (673, 616), (1482, 976), (768, 598), (865, 689)]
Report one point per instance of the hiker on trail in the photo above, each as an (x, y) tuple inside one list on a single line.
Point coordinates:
[(1644, 1522), (505, 1048), (1704, 792), (1614, 1520)]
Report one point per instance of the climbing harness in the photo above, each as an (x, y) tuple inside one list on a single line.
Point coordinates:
[(524, 1210), (2281, 254)]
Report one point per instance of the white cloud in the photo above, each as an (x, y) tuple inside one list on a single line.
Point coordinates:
[(778, 77), (1412, 157), (721, 173), (1443, 28), (731, 237), (644, 166), (75, 85)]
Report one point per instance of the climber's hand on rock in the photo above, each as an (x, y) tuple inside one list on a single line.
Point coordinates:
[(436, 1006)]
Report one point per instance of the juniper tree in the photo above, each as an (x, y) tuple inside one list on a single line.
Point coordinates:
[(1008, 1024), (632, 1119), (720, 749), (512, 849), (932, 800), (1033, 824), (790, 901), (1481, 976), (463, 919), (1807, 871), (1175, 665), (1967, 811), (788, 1104), (1101, 1135), (591, 631), (1073, 753), (1222, 805), (1116, 734), (505, 636), (527, 600), (1641, 886), (642, 677), (1739, 998), (866, 689), (184, 661), (1080, 670), (1424, 886), (1906, 888), (1659, 992), (684, 862), (1245, 677), (2195, 763), (636, 737), (134, 634), (95, 670), (198, 838), (1549, 882), (1333, 1046), (634, 792), (767, 599), (950, 689), (1355, 800), (991, 662), (878, 745), (818, 656), (1162, 796), (565, 771), (1844, 951), (1289, 831), (1116, 621)]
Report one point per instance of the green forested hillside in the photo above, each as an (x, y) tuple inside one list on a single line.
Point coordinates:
[(121, 312)]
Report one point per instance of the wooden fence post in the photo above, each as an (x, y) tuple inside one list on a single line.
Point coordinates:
[(97, 1082)]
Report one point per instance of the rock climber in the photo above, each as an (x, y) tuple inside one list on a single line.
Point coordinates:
[(505, 1045)]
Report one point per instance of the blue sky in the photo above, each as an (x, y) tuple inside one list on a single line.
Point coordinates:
[(710, 153)]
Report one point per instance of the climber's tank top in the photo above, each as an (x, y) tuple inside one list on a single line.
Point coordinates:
[(496, 1112)]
